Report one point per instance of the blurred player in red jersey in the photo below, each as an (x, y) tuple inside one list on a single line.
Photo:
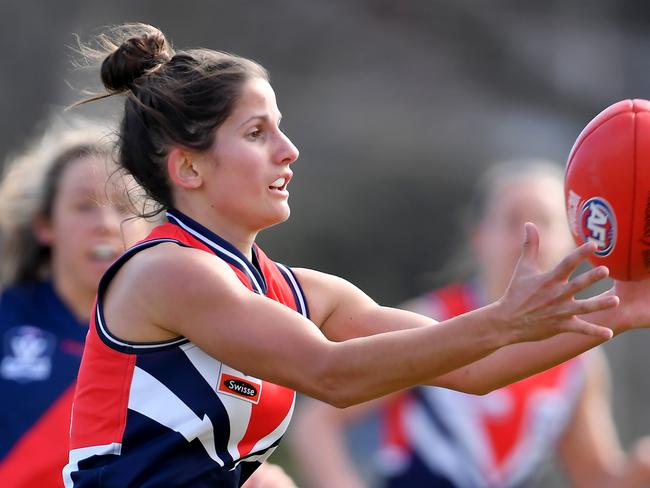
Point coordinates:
[(433, 437), (199, 340), (63, 220)]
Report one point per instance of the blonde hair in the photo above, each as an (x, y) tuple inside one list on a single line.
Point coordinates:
[(29, 186)]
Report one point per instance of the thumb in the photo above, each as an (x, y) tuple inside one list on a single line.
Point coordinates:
[(530, 248)]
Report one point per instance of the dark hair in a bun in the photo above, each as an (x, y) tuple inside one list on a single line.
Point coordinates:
[(134, 58), (172, 98)]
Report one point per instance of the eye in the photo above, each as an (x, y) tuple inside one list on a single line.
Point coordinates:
[(255, 133), (122, 207), (85, 205)]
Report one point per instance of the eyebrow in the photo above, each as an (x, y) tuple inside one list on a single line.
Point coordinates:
[(82, 190), (261, 117)]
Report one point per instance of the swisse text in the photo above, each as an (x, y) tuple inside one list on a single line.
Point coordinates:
[(241, 388)]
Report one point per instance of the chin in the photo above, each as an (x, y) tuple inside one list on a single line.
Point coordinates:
[(275, 218)]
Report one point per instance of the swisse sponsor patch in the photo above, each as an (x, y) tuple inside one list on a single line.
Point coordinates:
[(237, 386)]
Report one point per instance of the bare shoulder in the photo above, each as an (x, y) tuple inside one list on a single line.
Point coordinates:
[(144, 298), (166, 267), (310, 278)]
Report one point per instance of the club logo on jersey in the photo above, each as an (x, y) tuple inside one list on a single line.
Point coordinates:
[(245, 388), (598, 224), (28, 354)]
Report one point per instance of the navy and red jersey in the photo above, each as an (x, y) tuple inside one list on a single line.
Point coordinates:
[(438, 438), (167, 414), (42, 343)]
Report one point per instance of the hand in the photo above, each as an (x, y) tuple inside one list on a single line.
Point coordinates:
[(538, 305), (634, 311), (269, 476)]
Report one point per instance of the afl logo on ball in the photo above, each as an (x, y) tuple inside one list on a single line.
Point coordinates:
[(598, 225)]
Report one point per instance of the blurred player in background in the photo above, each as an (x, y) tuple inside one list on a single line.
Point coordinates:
[(434, 437), (64, 217)]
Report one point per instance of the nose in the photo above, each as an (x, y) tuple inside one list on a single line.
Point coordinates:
[(108, 220), (288, 152)]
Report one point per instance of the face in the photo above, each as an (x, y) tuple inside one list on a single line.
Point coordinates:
[(536, 198), (247, 171), (87, 231)]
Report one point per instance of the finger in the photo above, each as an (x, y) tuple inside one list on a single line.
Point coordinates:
[(583, 281), (587, 328), (530, 248), (594, 304), (570, 263)]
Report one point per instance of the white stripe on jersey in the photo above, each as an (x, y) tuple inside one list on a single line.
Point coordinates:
[(436, 450), (469, 460), (296, 288), (78, 455), (260, 458), (239, 412), (151, 398)]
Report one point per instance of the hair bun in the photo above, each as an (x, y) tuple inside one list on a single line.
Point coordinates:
[(135, 57)]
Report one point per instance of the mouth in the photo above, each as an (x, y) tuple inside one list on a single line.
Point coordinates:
[(280, 184), (105, 253)]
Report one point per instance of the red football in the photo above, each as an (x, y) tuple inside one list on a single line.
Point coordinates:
[(607, 188)]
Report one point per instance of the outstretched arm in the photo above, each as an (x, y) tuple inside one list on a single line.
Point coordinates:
[(355, 315), (518, 361), (503, 366), (268, 340)]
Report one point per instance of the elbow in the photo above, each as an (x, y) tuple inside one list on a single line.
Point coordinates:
[(467, 384), (330, 383), (480, 390), (330, 390), (470, 389)]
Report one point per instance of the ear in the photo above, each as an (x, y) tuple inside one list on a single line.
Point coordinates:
[(182, 169), (43, 231)]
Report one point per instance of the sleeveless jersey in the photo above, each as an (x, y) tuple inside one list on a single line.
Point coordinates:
[(437, 437), (167, 414), (42, 342)]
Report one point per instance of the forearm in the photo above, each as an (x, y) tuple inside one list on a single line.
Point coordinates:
[(369, 367), (517, 361)]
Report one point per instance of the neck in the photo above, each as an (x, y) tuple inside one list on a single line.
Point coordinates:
[(237, 235), (79, 301)]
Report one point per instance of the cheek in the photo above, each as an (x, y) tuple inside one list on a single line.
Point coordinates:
[(237, 172), (70, 231)]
